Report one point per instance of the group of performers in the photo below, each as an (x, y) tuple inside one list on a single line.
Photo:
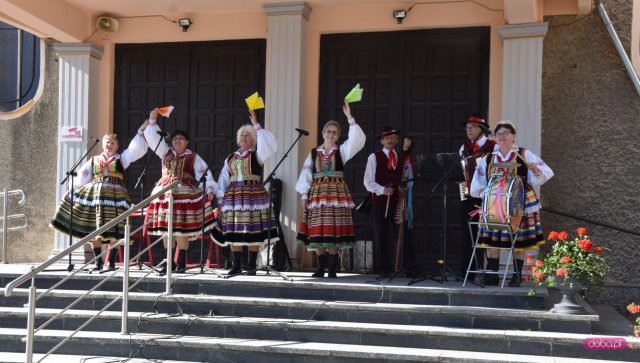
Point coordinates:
[(244, 217)]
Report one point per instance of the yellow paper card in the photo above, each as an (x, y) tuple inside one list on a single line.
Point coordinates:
[(355, 94), (254, 102)]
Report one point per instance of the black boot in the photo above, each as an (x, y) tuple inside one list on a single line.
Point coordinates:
[(163, 270), (99, 263), (321, 260), (237, 264), (113, 253), (492, 265), (253, 256), (182, 262), (333, 266), (516, 278)]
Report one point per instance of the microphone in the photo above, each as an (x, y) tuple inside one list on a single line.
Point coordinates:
[(162, 133), (304, 132)]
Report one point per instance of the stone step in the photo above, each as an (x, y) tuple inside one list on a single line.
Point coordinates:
[(349, 287), (332, 332), (213, 349), (6, 357), (349, 311)]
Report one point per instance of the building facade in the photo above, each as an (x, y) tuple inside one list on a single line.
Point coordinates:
[(548, 65)]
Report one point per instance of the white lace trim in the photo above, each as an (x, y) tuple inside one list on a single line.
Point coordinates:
[(245, 207), (331, 204), (97, 202)]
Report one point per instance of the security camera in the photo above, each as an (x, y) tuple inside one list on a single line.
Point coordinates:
[(185, 23), (399, 15)]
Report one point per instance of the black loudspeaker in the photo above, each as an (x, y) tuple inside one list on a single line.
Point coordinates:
[(280, 257)]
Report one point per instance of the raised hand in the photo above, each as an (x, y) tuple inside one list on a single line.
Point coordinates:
[(253, 117), (346, 109), (153, 114)]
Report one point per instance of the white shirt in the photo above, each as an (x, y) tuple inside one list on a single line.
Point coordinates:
[(199, 165), (354, 143), (267, 145), (479, 181), (370, 173)]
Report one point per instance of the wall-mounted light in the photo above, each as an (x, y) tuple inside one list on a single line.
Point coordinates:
[(399, 15), (185, 23)]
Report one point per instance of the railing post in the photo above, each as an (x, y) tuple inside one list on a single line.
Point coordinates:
[(169, 244), (5, 225), (125, 279), (31, 319)]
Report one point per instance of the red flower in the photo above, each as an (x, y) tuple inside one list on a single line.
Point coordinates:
[(563, 235), (539, 263), (586, 245), (565, 259), (526, 278), (597, 250), (529, 259), (562, 272), (552, 236), (581, 231), (633, 308)]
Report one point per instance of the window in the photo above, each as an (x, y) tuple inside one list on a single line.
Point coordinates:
[(19, 67)]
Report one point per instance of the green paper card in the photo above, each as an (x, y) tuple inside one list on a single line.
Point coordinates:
[(355, 95)]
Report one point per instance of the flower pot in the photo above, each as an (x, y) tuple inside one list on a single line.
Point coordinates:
[(568, 288)]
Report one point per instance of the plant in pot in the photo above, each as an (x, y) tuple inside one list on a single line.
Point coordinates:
[(573, 265)]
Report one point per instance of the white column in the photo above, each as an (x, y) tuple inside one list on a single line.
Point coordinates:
[(522, 81), (79, 68), (284, 98)]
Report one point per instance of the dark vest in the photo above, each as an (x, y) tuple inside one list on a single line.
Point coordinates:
[(470, 169), (250, 162), (178, 168), (385, 176), (336, 161)]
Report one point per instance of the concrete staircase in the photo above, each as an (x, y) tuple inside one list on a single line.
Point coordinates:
[(266, 319)]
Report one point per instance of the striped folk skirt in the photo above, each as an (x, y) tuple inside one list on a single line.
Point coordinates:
[(95, 204), (529, 234), (187, 212), (327, 222), (243, 219)]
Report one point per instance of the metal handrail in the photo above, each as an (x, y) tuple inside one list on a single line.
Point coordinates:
[(5, 218), (31, 275), (25, 277), (618, 44)]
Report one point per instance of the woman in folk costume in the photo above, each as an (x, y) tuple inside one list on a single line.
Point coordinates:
[(327, 223), (534, 172), (243, 201), (101, 195), (179, 163)]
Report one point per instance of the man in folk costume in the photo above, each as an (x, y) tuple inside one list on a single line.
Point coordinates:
[(476, 146), (381, 178)]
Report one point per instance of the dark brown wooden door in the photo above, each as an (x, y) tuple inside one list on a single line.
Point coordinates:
[(207, 83), (424, 83)]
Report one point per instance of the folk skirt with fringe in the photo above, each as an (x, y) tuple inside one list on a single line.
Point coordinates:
[(327, 222), (187, 212), (243, 218), (529, 234), (95, 204)]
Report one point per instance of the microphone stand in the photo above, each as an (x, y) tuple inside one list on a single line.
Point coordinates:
[(70, 175), (203, 181), (139, 182), (268, 268), (448, 167)]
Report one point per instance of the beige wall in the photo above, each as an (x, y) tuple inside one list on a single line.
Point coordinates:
[(26, 162)]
